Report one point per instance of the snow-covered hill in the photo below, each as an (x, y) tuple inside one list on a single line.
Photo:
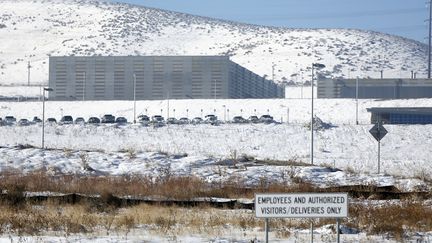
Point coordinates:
[(32, 30)]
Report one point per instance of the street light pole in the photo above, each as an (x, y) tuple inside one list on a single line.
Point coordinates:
[(43, 115), (357, 81), (134, 97), (429, 37), (318, 66)]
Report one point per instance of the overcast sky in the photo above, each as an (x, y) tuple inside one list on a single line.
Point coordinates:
[(400, 17)]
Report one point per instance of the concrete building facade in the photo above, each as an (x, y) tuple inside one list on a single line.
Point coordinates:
[(375, 88), (155, 77)]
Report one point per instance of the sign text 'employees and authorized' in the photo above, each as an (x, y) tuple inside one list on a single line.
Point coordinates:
[(301, 205)]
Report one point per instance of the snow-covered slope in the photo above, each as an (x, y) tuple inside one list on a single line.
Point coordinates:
[(31, 30)]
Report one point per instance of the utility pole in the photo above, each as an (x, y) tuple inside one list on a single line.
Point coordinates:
[(429, 46), (134, 97)]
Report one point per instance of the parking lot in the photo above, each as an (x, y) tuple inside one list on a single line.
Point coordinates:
[(155, 120)]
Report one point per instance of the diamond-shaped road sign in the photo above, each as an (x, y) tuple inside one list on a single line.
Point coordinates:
[(378, 131)]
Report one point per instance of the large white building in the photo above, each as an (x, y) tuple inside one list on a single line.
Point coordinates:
[(155, 77)]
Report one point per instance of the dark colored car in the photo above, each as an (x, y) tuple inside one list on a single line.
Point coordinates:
[(108, 118), (254, 119), (23, 122), (157, 118), (143, 119), (266, 119), (66, 120), (183, 120), (36, 119), (239, 119), (9, 120), (172, 120), (121, 120), (51, 120), (93, 120)]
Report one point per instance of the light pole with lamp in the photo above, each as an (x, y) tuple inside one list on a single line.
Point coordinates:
[(43, 115), (318, 66), (134, 97), (357, 94)]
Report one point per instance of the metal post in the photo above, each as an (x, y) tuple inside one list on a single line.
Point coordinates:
[(187, 113), (266, 226), (43, 119), (312, 234), (379, 154), (312, 119), (338, 230), (43, 115), (287, 115), (168, 105), (429, 46), (134, 97), (382, 74), (357, 81)]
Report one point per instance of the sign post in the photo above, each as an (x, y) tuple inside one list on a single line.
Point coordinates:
[(378, 132), (301, 205)]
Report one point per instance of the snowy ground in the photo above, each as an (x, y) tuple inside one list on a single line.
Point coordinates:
[(210, 152), (405, 151)]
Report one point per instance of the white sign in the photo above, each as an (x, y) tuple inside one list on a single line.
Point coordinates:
[(301, 205)]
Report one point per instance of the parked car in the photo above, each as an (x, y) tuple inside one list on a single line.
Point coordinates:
[(157, 118), (212, 119), (253, 119), (9, 120), (51, 120), (66, 120), (143, 119), (121, 120), (172, 120), (36, 119), (183, 120), (80, 121), (239, 119), (23, 122), (157, 121), (197, 120), (93, 120), (266, 119), (108, 118)]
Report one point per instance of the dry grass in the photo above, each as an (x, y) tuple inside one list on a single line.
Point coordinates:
[(19, 216), (165, 185), (396, 219)]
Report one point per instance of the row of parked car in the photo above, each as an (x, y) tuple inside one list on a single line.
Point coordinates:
[(156, 120)]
